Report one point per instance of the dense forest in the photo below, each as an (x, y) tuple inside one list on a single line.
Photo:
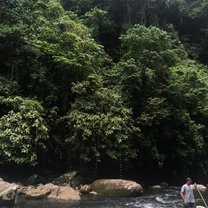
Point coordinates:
[(112, 88)]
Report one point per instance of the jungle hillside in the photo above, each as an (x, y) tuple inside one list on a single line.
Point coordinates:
[(111, 88)]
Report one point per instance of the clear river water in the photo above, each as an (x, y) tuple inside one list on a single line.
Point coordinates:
[(167, 199)]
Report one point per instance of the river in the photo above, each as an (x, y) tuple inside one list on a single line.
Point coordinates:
[(166, 199)]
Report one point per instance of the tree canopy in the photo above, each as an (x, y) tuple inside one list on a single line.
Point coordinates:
[(93, 82)]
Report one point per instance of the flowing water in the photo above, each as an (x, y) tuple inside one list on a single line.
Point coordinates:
[(166, 199)]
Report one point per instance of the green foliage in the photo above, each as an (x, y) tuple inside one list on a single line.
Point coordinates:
[(101, 126), (48, 39), (168, 96), (43, 50), (189, 19), (148, 54), (66, 40), (190, 8), (8, 87), (66, 47), (189, 85), (151, 47), (99, 23), (187, 95), (23, 131), (78, 6), (57, 82)]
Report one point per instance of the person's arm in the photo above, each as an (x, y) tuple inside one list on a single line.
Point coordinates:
[(184, 200), (183, 197)]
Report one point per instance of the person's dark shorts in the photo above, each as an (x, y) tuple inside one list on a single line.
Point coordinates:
[(189, 205)]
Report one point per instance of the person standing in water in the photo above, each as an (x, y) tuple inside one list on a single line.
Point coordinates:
[(187, 194)]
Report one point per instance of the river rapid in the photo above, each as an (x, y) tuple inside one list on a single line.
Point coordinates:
[(167, 199)]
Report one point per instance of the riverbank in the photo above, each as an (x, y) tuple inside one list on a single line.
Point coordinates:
[(71, 188), (167, 198)]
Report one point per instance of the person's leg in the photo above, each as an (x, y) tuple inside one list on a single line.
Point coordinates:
[(189, 205), (192, 205)]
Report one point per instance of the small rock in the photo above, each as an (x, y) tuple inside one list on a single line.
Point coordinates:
[(85, 189), (164, 185), (93, 193), (156, 187)]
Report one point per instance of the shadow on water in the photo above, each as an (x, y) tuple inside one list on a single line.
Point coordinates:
[(169, 198)]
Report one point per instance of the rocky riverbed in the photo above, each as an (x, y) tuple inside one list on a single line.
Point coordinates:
[(64, 190), (166, 198)]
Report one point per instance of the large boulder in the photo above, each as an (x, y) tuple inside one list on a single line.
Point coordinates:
[(50, 191), (7, 192), (200, 187), (63, 193), (38, 192), (116, 187)]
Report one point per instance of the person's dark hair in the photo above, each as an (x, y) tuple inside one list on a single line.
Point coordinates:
[(188, 179)]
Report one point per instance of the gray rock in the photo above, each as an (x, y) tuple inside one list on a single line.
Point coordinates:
[(77, 181), (35, 179), (69, 179), (7, 192), (65, 180), (116, 187), (164, 185)]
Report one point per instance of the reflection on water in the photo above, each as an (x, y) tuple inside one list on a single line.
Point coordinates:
[(167, 199)]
